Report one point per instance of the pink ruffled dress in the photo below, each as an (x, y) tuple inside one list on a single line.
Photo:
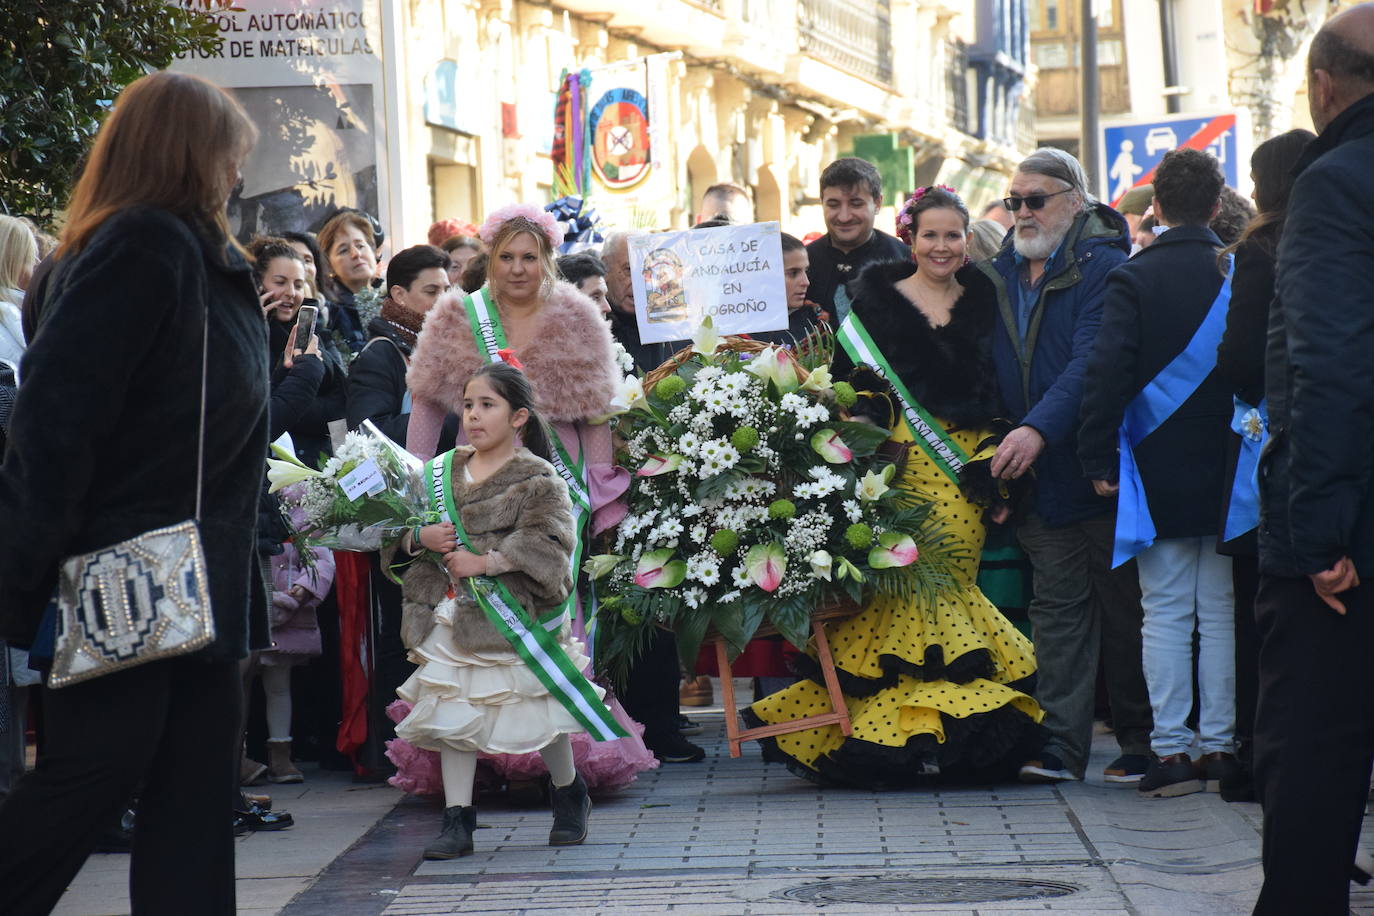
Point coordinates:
[(603, 764)]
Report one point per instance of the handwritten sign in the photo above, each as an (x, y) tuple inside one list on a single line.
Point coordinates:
[(732, 273)]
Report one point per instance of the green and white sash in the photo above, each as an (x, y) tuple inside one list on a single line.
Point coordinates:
[(535, 641), (925, 430), (491, 340)]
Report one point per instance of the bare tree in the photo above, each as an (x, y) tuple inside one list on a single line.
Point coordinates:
[(1266, 41)]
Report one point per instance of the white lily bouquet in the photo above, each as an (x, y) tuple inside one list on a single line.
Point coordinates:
[(753, 499), (362, 499)]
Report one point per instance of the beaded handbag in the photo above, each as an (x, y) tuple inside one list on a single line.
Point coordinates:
[(143, 599)]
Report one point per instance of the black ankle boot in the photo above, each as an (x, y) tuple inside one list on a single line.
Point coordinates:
[(456, 838), (570, 809)]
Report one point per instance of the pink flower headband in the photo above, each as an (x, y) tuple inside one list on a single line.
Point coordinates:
[(906, 219), (541, 218)]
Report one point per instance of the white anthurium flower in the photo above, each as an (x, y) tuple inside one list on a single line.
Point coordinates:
[(821, 563), (285, 473), (818, 380), (705, 340)]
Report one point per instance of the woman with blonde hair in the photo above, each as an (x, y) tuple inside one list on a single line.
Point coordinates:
[(148, 318), (18, 253)]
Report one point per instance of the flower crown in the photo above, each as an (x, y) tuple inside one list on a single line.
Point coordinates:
[(544, 220), (906, 217)]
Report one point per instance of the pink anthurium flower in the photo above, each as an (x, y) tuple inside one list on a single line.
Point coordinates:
[(658, 569), (828, 444), (659, 464), (766, 564), (893, 550)]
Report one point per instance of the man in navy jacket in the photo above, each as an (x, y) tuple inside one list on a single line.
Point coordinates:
[(1050, 277), (1314, 732), (1155, 307)]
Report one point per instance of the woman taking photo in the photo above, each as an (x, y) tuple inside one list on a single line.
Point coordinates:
[(103, 448)]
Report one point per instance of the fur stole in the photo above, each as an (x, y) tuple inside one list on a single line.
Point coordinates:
[(521, 518), (947, 369), (569, 360)]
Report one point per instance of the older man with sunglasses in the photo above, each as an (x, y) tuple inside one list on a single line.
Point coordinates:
[(1051, 277)]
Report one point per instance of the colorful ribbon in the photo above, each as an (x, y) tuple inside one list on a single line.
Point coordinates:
[(580, 223)]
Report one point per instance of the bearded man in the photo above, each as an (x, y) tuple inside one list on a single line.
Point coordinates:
[(1051, 278)]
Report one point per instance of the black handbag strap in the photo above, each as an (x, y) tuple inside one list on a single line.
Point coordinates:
[(200, 437)]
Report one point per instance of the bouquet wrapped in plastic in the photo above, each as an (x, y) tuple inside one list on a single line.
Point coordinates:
[(362, 499)]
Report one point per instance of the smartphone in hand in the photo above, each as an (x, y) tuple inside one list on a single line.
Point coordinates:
[(306, 318)]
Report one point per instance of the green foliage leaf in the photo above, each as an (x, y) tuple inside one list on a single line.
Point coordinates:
[(59, 75), (690, 628)]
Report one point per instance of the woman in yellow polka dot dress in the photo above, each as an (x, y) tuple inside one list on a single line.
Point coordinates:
[(933, 692)]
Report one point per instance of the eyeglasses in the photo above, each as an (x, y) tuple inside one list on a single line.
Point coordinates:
[(1033, 201)]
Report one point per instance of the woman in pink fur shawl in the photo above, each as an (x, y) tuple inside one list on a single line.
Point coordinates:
[(557, 336)]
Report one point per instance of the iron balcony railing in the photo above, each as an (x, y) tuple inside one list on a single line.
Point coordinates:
[(851, 34)]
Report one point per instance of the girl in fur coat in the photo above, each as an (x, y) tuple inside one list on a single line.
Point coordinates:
[(472, 692), (557, 336)]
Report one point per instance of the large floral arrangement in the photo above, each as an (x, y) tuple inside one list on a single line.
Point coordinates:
[(754, 499)]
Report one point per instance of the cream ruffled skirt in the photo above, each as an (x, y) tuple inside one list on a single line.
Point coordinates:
[(481, 701)]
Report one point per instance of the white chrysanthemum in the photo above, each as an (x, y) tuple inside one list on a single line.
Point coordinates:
[(699, 533), (688, 444), (704, 568), (695, 597), (740, 577), (853, 510), (793, 403), (732, 595), (709, 374), (691, 510)]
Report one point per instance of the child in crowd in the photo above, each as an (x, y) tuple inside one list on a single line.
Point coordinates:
[(507, 522)]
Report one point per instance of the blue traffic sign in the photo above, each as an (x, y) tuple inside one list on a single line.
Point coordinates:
[(1132, 152)]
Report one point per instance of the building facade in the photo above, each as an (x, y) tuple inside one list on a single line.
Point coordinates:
[(762, 93)]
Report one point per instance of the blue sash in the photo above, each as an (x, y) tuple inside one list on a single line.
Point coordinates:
[(1163, 395), (1243, 512)]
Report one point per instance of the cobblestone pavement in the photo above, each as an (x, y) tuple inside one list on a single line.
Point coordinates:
[(737, 837)]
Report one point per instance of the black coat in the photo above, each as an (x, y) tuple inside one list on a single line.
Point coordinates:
[(1317, 504), (103, 436), (1154, 304), (377, 383), (647, 357), (948, 369), (377, 387), (1240, 357), (305, 416), (830, 268)]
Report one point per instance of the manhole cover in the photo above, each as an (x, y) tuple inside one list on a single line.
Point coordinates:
[(926, 890)]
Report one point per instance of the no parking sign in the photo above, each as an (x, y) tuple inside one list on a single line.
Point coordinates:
[(1131, 151)]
